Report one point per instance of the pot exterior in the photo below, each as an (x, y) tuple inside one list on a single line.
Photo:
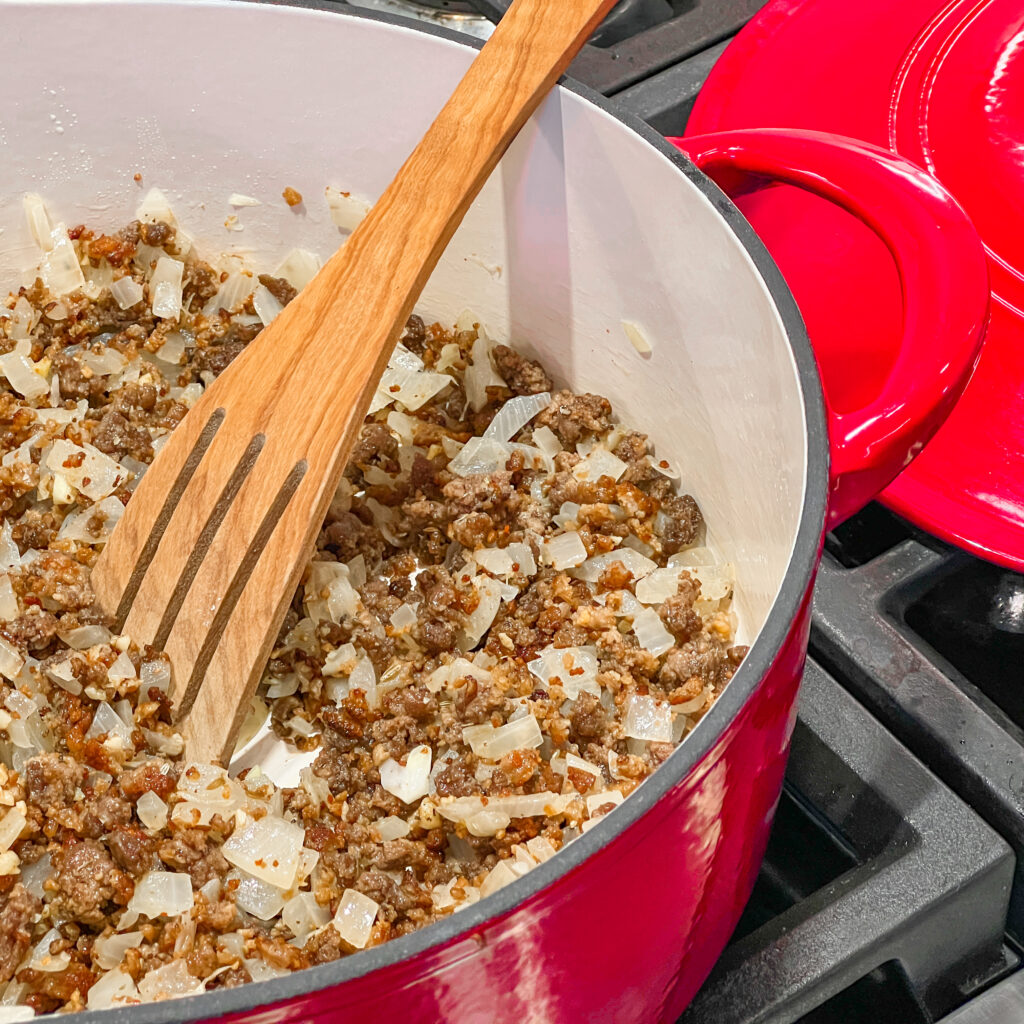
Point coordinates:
[(632, 933)]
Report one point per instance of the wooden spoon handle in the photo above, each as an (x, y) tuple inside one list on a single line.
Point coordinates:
[(377, 276)]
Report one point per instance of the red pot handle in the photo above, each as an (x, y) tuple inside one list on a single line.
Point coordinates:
[(942, 269)]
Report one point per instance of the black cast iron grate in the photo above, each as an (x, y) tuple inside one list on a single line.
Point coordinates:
[(882, 897)]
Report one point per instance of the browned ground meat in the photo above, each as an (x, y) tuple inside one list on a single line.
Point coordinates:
[(432, 623), (523, 376), (17, 912)]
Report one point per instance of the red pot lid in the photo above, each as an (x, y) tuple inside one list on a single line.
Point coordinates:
[(943, 85)]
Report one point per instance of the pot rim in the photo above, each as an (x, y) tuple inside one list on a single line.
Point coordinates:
[(754, 668)]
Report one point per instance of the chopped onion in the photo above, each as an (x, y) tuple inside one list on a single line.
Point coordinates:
[(10, 556), (599, 463), (206, 790), (115, 988), (637, 338), (404, 617), (480, 373), (152, 811), (109, 952), (160, 894), (575, 668), (651, 632), (21, 375), (155, 673), (516, 559), (303, 915), (515, 414), (647, 719), (92, 525), (234, 290), (266, 304), (172, 981), (479, 817), (34, 875), (59, 268), (155, 208), (298, 268), (9, 607), (255, 896), (354, 918), (346, 210), (541, 848), (480, 455), (38, 220), (268, 849), (364, 677), (126, 292), (633, 561), (480, 619), (413, 388), (547, 441), (237, 199), (11, 826), (96, 475), (564, 551), (458, 668), (341, 661), (165, 287), (408, 782), (500, 875), (84, 637), (122, 669), (391, 827), (491, 743), (107, 722)]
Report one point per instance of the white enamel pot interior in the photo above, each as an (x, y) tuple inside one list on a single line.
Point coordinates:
[(588, 222)]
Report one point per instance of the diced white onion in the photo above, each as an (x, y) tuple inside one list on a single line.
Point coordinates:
[(637, 338), (234, 290), (564, 551), (96, 475), (155, 673), (408, 782), (59, 268), (480, 619), (651, 632), (515, 414), (355, 917), (109, 952), (303, 915), (255, 896), (599, 463), (11, 826), (161, 894), (92, 525), (237, 199), (391, 827), (575, 668), (647, 719), (21, 375), (480, 373), (268, 849), (266, 304), (172, 981), (346, 210), (413, 388), (115, 988), (500, 875), (107, 722), (516, 559), (404, 617), (152, 811), (38, 220), (471, 810), (493, 743), (9, 608), (633, 561), (165, 287), (155, 208), (547, 441), (126, 291), (298, 268)]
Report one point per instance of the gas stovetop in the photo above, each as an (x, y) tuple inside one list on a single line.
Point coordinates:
[(893, 886)]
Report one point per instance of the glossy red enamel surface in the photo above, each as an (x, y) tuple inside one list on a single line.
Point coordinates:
[(943, 85), (940, 266), (629, 935)]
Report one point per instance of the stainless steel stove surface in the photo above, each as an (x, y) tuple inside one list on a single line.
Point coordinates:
[(893, 886)]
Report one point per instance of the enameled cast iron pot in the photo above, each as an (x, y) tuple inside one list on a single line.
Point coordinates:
[(590, 220)]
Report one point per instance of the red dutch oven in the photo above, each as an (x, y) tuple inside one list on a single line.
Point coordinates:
[(590, 220)]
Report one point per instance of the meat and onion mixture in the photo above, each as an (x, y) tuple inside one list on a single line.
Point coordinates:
[(508, 624)]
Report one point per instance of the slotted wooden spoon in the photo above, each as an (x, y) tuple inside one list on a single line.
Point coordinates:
[(206, 558)]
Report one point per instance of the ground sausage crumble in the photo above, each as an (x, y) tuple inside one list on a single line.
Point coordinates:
[(508, 624)]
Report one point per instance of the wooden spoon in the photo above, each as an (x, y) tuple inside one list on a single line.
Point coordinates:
[(208, 554)]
